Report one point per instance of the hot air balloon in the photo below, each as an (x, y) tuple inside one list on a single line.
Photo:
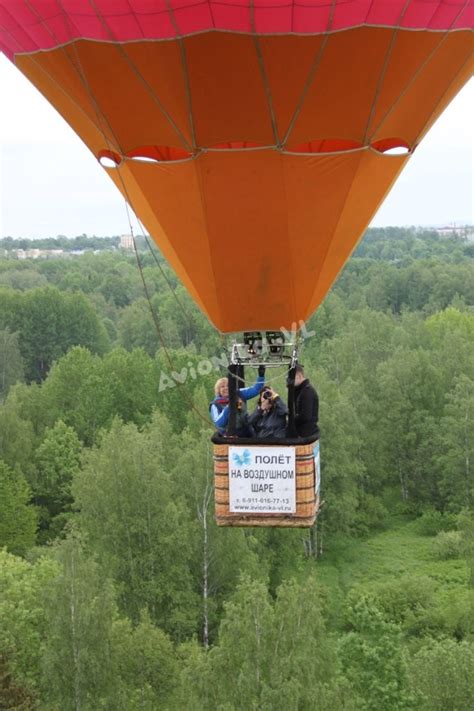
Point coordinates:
[(262, 129)]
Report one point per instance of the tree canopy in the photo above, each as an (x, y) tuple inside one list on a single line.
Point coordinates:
[(118, 590)]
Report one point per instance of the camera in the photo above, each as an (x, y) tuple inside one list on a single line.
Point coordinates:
[(267, 395)]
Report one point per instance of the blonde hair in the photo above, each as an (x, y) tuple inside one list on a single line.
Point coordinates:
[(219, 384)]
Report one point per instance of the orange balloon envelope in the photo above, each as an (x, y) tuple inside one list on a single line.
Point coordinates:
[(254, 138)]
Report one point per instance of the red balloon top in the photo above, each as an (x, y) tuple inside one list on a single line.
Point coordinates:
[(31, 25)]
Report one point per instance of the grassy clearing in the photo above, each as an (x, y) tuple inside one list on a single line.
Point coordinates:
[(393, 555), (395, 552)]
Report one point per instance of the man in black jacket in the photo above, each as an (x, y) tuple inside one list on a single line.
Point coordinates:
[(306, 406)]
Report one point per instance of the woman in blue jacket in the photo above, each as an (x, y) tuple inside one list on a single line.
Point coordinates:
[(219, 407)]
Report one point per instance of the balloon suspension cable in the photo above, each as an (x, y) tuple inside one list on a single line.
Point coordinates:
[(225, 347), (100, 119), (108, 134), (280, 378), (163, 273), (157, 324)]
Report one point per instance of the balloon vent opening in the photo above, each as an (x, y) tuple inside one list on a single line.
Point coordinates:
[(387, 146), (159, 154), (392, 147), (109, 159), (144, 154)]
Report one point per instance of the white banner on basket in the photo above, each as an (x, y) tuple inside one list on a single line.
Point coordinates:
[(317, 468), (262, 480)]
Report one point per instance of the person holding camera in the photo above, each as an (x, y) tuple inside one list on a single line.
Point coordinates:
[(268, 420)]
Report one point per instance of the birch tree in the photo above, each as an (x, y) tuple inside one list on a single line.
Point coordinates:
[(80, 609)]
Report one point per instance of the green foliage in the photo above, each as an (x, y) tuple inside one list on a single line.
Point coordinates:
[(23, 619), (61, 242), (372, 659), (49, 323), (115, 289), (11, 362), (77, 393), (466, 528), (408, 396), (221, 556), (17, 437), (456, 446), (342, 466), (18, 520), (447, 544), (451, 615), (142, 601), (136, 329), (22, 279), (130, 381), (87, 392), (12, 696), (371, 514), (145, 665), (192, 682), (406, 601), (80, 610), (58, 460), (139, 532), (271, 655), (441, 671), (304, 662), (451, 331), (432, 522)]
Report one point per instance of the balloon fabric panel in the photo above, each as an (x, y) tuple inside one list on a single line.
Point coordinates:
[(266, 123), (270, 213)]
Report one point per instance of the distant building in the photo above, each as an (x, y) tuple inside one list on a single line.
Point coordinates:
[(33, 253), (462, 231), (126, 241), (38, 253)]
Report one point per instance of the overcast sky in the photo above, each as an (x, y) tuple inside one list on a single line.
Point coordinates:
[(50, 183)]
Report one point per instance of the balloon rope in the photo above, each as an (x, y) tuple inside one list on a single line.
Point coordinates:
[(163, 273), (157, 101), (140, 76), (311, 74), (77, 68), (158, 327), (184, 63), (263, 72), (100, 117), (388, 56)]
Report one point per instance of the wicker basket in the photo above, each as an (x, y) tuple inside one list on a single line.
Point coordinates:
[(307, 499)]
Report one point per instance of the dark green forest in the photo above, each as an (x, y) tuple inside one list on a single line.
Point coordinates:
[(117, 589)]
